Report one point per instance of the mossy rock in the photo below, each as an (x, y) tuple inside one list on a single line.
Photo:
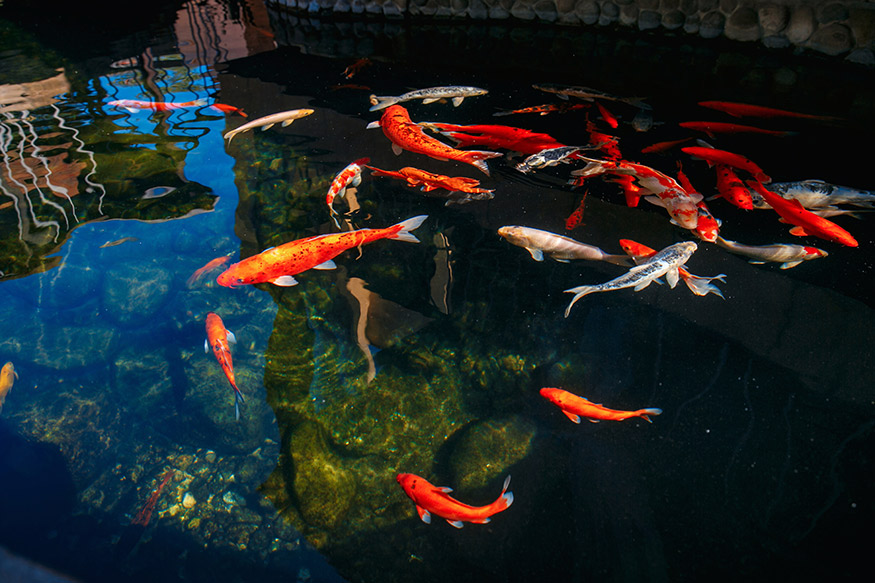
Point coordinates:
[(487, 450)]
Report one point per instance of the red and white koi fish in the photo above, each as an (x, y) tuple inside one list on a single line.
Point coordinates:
[(349, 176), (218, 338), (730, 187), (700, 286), (268, 121), (807, 223), (788, 255), (201, 272), (711, 128), (430, 499), (429, 181), (707, 226), (495, 137), (407, 135), (134, 105), (538, 243), (278, 264), (715, 156), (545, 109), (680, 205), (746, 110), (574, 407)]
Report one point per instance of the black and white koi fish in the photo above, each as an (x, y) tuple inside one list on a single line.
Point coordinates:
[(666, 262), (456, 93), (817, 194), (566, 91)]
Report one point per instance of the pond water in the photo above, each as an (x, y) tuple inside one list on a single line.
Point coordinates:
[(120, 454)]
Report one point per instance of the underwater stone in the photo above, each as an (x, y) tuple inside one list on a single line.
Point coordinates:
[(832, 39), (834, 12), (648, 20), (743, 25), (478, 10), (776, 41), (588, 11), (546, 10), (773, 18), (862, 56), (487, 449), (673, 19), (801, 25), (711, 25), (628, 15), (862, 24), (522, 10), (134, 293), (188, 501)]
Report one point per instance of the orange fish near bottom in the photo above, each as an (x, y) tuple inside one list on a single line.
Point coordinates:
[(432, 499), (576, 407)]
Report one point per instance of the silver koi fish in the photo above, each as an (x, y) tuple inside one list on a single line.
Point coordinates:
[(666, 263), (549, 157), (538, 243), (457, 93), (283, 117), (566, 91), (817, 194), (788, 255)]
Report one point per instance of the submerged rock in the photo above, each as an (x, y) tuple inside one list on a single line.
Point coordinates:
[(488, 449)]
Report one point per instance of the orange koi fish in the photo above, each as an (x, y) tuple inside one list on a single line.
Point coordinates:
[(429, 181), (607, 115), (432, 499), (278, 264), (7, 379), (357, 66), (407, 135), (576, 217), (746, 110), (576, 407), (807, 223), (660, 147), (715, 156), (218, 338), (211, 265), (134, 105), (545, 109), (715, 127), (224, 108), (700, 286), (730, 187), (495, 137), (349, 176)]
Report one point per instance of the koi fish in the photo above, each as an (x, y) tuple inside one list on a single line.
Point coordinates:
[(429, 181), (558, 247), (817, 193), (495, 137), (7, 379), (118, 242), (807, 223), (666, 262), (349, 176), (145, 514), (225, 108), (407, 135), (700, 286), (218, 338), (788, 255), (268, 121), (430, 499), (715, 156), (660, 147), (730, 187), (576, 217), (548, 157), (457, 93), (565, 91), (746, 110), (544, 109), (354, 68), (707, 226), (278, 265), (211, 265), (135, 105), (607, 115), (574, 407), (603, 142), (711, 128), (631, 191)]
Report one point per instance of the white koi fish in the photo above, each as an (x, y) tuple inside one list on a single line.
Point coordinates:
[(667, 262), (817, 194), (788, 255), (558, 247), (283, 117), (457, 93)]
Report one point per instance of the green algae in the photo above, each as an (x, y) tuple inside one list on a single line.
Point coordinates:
[(488, 449)]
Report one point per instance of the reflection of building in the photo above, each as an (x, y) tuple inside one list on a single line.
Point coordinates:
[(27, 96), (207, 34)]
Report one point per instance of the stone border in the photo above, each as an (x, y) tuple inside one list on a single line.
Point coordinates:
[(838, 28)]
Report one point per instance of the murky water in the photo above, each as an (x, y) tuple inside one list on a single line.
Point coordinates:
[(120, 454)]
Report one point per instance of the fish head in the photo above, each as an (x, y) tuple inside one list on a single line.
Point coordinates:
[(230, 277), (555, 396), (409, 483), (511, 232)]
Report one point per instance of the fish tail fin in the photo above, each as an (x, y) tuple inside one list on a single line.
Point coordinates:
[(621, 260), (645, 413), (410, 224), (238, 400), (578, 292), (382, 102), (505, 499), (478, 158), (702, 286)]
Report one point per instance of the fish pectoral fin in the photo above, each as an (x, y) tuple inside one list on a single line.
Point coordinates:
[(424, 514), (444, 489), (537, 254), (396, 149), (326, 265), (798, 232), (486, 520), (287, 122), (756, 262), (642, 285), (428, 100), (455, 523), (230, 336), (572, 416), (593, 420), (672, 277), (789, 264), (285, 281), (266, 127), (457, 101), (206, 346)]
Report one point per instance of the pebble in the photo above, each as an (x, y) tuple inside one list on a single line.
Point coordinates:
[(188, 501)]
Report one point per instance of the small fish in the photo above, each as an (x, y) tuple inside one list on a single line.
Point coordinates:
[(666, 262), (224, 108), (430, 499), (201, 272), (278, 265), (549, 157), (218, 338), (707, 226), (643, 121), (135, 105), (711, 128), (349, 176), (457, 93), (145, 514), (538, 243), (607, 115), (788, 255), (820, 194), (429, 181), (354, 68), (407, 135), (576, 218), (715, 156), (118, 242), (747, 110), (566, 91), (266, 122), (700, 286), (7, 379), (544, 109), (574, 407), (807, 223)]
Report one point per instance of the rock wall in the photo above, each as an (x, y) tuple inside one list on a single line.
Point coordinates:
[(842, 28)]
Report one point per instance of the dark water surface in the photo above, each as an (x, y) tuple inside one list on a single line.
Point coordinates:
[(422, 358)]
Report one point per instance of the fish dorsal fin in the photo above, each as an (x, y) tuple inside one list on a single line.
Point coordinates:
[(326, 265), (572, 416), (537, 254)]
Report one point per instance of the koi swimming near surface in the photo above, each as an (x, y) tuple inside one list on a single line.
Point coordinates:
[(268, 121), (539, 243), (456, 93), (819, 194), (787, 255), (351, 176), (574, 407), (566, 91), (430, 499), (712, 128), (495, 137), (701, 286), (429, 181)]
